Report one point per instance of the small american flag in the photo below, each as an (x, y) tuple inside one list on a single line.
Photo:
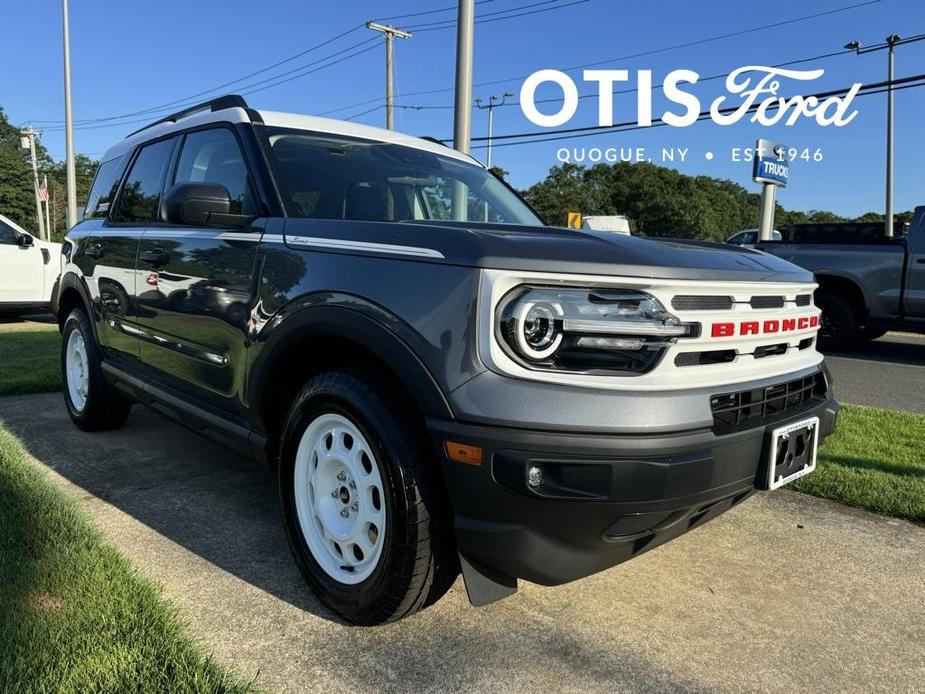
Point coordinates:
[(43, 190)]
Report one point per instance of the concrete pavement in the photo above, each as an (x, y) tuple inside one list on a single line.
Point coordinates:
[(785, 593)]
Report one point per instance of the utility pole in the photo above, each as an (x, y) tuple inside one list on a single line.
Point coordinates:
[(47, 206), (28, 142), (493, 102), (390, 33), (462, 113), (891, 42), (69, 126)]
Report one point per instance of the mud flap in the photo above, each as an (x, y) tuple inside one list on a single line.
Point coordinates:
[(484, 586)]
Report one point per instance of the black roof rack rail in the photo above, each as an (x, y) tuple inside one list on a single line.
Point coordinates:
[(216, 104), (434, 140)]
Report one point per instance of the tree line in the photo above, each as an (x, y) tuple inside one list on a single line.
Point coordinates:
[(659, 201), (17, 197)]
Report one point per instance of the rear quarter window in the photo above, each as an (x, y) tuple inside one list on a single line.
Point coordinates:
[(104, 188)]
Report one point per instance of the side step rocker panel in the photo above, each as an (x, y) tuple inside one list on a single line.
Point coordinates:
[(199, 420)]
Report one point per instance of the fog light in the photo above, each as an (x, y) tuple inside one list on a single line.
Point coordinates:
[(534, 477)]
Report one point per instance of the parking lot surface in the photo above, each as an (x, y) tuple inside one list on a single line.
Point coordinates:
[(784, 593), (888, 372)]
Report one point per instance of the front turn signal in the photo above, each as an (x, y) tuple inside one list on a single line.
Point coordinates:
[(463, 452)]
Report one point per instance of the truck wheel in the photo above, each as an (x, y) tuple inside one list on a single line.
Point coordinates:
[(364, 510), (839, 324), (92, 403)]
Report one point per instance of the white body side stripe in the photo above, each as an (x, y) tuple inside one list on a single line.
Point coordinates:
[(347, 245)]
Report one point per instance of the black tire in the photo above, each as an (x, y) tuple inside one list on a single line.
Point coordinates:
[(104, 407), (418, 561), (839, 324)]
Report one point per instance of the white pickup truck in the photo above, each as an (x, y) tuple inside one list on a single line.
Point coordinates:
[(29, 269)]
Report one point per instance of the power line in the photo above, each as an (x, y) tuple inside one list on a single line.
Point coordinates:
[(272, 81), (589, 131), (429, 107), (161, 107), (418, 14), (663, 49), (452, 25), (484, 17), (255, 87)]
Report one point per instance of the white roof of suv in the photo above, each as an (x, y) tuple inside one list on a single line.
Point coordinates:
[(237, 114)]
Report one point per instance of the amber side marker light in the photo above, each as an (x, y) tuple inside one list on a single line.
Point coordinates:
[(463, 452)]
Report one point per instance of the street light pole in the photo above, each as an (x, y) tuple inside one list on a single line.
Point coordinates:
[(69, 126), (493, 101), (390, 33), (891, 42), (462, 121), (462, 111)]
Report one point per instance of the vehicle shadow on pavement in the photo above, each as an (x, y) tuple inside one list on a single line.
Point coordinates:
[(890, 349), (212, 501), (224, 509)]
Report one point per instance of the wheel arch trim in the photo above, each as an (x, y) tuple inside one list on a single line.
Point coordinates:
[(331, 321), (70, 282)]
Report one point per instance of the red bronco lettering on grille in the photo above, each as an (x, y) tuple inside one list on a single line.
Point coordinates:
[(752, 327)]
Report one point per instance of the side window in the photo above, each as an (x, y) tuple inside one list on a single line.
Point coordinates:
[(104, 188), (7, 235), (213, 156), (744, 238), (142, 188)]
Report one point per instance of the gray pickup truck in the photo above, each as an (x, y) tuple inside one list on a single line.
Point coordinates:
[(866, 286)]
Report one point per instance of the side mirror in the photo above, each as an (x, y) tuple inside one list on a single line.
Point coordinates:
[(201, 204), (24, 241)]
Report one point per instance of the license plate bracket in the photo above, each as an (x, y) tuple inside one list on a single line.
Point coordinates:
[(792, 452)]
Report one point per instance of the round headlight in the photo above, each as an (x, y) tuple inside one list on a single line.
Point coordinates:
[(537, 329)]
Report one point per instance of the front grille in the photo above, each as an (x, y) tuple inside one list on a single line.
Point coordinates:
[(751, 408), (701, 303), (716, 356), (767, 302), (770, 350), (803, 299)]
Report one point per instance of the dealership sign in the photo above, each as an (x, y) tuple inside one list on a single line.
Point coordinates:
[(753, 89), (771, 165)]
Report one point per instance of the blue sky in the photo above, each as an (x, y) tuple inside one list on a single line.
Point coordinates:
[(131, 56)]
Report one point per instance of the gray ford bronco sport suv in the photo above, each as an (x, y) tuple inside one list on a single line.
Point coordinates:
[(440, 381)]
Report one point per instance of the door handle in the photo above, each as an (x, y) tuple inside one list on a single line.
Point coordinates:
[(95, 251), (920, 260), (157, 256)]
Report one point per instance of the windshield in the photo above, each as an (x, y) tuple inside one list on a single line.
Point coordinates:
[(326, 176)]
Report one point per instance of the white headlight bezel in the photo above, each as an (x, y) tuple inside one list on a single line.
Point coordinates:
[(495, 284)]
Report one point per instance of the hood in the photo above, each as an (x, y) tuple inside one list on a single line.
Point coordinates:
[(555, 249)]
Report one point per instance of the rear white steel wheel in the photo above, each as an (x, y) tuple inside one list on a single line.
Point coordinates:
[(77, 370), (339, 498)]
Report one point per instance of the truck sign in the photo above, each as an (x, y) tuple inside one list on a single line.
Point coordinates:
[(771, 165), (771, 170)]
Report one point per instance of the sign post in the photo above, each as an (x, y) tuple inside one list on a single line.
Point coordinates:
[(574, 220), (771, 169)]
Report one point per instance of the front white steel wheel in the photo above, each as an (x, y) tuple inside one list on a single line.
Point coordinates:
[(339, 498), (77, 370)]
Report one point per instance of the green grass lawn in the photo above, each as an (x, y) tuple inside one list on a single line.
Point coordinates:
[(875, 460), (74, 615), (29, 358)]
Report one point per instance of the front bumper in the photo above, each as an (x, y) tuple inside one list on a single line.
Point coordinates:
[(604, 498)]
